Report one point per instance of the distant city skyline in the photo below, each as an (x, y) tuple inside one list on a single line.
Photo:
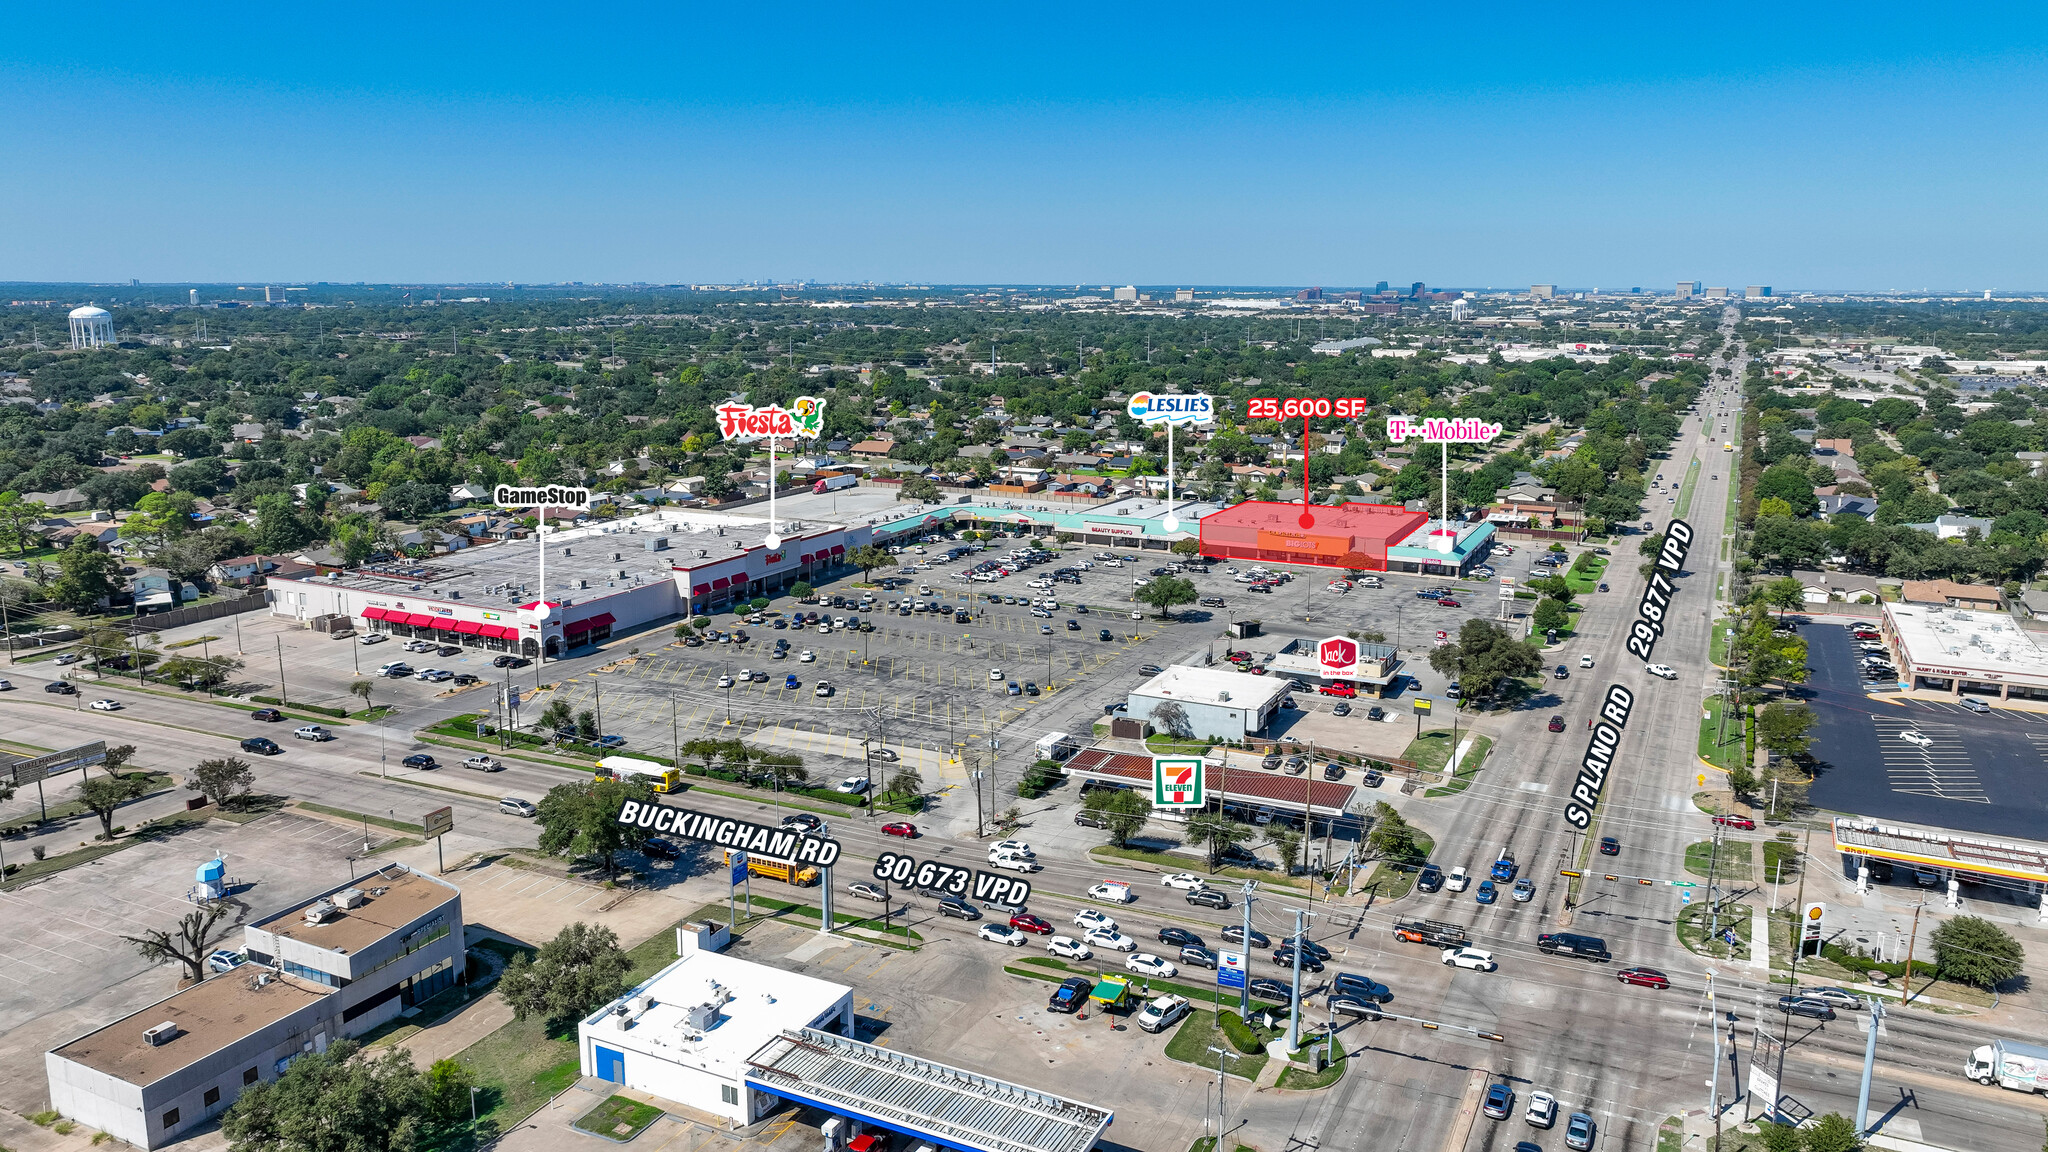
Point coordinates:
[(1502, 146)]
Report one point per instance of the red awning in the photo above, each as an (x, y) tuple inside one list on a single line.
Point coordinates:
[(577, 628), (444, 624), (838, 548), (807, 557), (373, 613), (603, 620), (720, 582), (501, 632), (469, 628), (418, 621), (700, 589)]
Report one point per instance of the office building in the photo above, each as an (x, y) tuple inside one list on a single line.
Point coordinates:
[(1183, 295), (1757, 292), (335, 966), (1542, 291), (1127, 292), (1717, 293), (1687, 289)]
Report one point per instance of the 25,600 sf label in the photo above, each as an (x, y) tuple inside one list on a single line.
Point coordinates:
[(1296, 407)]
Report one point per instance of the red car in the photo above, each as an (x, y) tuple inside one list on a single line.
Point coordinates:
[(1339, 689), (1447, 602), (1026, 922), (901, 828), (1643, 978), (1557, 723), (1742, 822)]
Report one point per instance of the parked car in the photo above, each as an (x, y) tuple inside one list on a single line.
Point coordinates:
[(1163, 1012)]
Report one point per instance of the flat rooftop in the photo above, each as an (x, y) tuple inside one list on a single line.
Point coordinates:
[(504, 575), (969, 1110), (1942, 641), (1153, 508), (1355, 519), (395, 896), (756, 1004), (210, 1016), (1213, 686)]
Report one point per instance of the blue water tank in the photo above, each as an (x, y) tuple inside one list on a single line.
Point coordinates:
[(211, 872)]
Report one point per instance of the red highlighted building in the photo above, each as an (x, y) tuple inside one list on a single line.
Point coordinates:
[(1355, 536)]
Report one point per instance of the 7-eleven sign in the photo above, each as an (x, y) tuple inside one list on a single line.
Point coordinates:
[(1177, 782)]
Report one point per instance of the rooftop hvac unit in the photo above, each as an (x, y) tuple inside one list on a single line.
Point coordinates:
[(566, 551), (319, 912), (656, 544), (350, 898), (703, 552), (622, 572), (618, 556), (161, 1034), (700, 1017), (455, 593), (582, 583)]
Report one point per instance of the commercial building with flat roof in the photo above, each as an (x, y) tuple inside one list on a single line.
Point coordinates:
[(1356, 536), (602, 577), (1958, 650), (335, 966), (1218, 704)]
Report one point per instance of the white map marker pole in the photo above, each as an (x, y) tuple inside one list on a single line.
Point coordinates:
[(1171, 522), (774, 538)]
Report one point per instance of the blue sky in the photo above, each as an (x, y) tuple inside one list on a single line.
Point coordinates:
[(1866, 147)]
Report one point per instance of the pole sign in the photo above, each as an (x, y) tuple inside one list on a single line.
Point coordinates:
[(1812, 922), (52, 763), (804, 417), (1423, 705), (737, 861), (769, 840), (548, 496), (1230, 970), (438, 822), (1164, 408), (1177, 782)]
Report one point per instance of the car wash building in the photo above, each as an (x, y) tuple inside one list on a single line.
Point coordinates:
[(742, 1040)]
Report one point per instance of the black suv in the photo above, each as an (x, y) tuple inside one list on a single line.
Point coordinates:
[(1349, 985), (1431, 879), (1284, 957), (1179, 936), (261, 745)]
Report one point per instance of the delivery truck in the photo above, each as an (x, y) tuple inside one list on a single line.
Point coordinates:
[(801, 875), (2009, 1064), (1057, 746), (1432, 932)]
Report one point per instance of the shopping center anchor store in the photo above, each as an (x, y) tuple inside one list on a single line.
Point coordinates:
[(604, 578), (741, 1040), (1355, 537)]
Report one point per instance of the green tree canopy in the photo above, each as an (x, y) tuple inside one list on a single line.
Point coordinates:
[(1972, 950), (581, 819), (572, 975)]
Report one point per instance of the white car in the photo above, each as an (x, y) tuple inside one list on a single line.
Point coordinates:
[(1069, 947), (1458, 880), (805, 656), (1019, 847), (436, 675), (106, 705), (1474, 959), (1664, 670), (1916, 739), (995, 673), (824, 688), (1542, 1111), (1090, 919), (419, 646), (725, 681), (1002, 934), (1146, 964), (1113, 940), (69, 658), (1585, 661), (746, 675), (372, 638), (852, 785), (1112, 891), (1185, 881)]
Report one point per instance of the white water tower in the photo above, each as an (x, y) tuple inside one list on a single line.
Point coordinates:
[(91, 327)]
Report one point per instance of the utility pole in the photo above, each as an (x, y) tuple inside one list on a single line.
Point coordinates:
[(1244, 994), (1713, 893), (1869, 1062), (1906, 999), (1714, 1085), (1221, 1055), (1294, 1009), (283, 696)]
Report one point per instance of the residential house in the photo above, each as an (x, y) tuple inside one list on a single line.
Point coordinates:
[(1821, 587), (248, 433), (466, 493), (483, 526), (1949, 594), (1535, 519), (2035, 604), (1526, 494), (876, 449), (1833, 506), (242, 571), (102, 533), (153, 590), (424, 442), (1256, 472), (64, 500), (1077, 460), (1948, 527), (1836, 447), (2036, 462)]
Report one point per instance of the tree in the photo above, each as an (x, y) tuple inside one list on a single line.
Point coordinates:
[(1974, 951), (1187, 547), (1215, 832), (1782, 727), (578, 820), (869, 557), (192, 942), (586, 726), (556, 716), (222, 781), (1288, 843), (1166, 591), (801, 590), (336, 1101), (905, 782), (105, 794), (17, 522), (362, 688), (1124, 810), (86, 576), (1779, 1137), (1487, 656), (1171, 718), (1833, 1132), (117, 758), (207, 672), (1785, 594), (1392, 837), (571, 975), (1550, 615)]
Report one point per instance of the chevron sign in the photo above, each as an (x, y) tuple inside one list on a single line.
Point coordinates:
[(1177, 782)]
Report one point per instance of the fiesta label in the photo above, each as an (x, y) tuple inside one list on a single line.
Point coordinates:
[(804, 417)]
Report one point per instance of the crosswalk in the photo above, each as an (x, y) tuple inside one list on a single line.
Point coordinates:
[(1939, 768)]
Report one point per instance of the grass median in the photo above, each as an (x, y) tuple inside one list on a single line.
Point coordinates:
[(1720, 741)]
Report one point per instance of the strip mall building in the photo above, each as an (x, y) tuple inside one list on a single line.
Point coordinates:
[(1361, 537), (603, 578)]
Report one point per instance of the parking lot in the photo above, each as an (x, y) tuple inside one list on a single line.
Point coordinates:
[(1921, 761)]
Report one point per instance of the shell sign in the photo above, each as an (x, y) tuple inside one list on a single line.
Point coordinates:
[(1338, 656)]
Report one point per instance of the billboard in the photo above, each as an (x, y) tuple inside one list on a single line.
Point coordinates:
[(436, 823), (1230, 970), (1337, 657), (1177, 782), (50, 764)]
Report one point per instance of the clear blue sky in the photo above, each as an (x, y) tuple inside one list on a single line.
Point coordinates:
[(1866, 146)]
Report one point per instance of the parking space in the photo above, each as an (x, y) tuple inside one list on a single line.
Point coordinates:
[(1919, 761), (315, 668)]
